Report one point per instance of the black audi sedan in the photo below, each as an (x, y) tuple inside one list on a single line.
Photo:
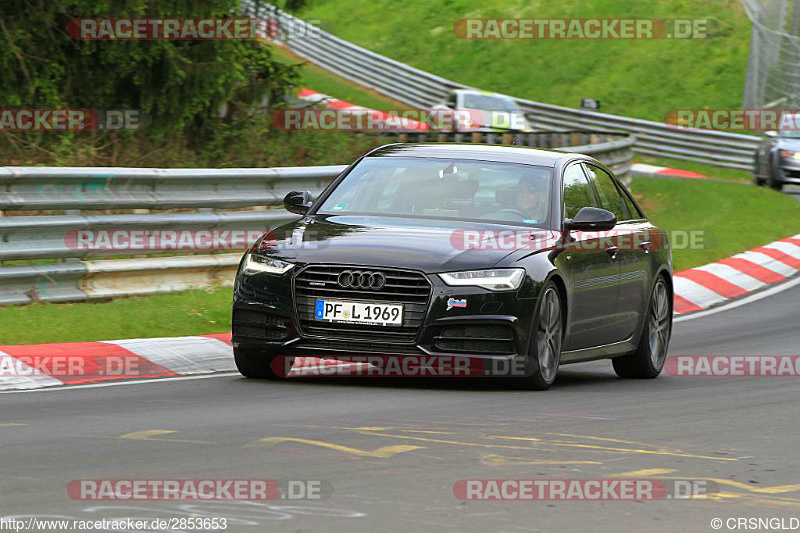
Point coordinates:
[(503, 254)]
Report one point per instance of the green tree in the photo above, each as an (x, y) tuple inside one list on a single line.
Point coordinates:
[(182, 85)]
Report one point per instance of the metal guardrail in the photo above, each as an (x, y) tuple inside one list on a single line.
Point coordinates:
[(421, 89), (46, 188), (82, 194), (613, 149)]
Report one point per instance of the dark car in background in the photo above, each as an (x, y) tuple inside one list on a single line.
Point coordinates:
[(777, 161), (384, 243)]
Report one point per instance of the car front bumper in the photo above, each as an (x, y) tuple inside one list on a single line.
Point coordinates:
[(462, 321), (788, 171)]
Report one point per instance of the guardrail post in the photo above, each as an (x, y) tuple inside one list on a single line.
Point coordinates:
[(507, 139), (477, 137)]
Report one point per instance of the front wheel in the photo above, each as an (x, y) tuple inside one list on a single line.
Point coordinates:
[(648, 359), (772, 180), (545, 345), (255, 365)]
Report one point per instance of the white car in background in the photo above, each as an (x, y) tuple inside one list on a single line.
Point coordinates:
[(485, 112)]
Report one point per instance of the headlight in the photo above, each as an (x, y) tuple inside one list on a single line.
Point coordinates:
[(256, 264), (790, 154), (500, 279)]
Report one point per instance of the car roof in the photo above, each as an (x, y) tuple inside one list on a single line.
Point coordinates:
[(483, 93), (478, 152)]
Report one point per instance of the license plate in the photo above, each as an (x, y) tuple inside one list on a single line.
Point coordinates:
[(359, 312)]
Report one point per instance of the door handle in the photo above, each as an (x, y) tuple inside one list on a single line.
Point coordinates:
[(612, 251), (645, 246)]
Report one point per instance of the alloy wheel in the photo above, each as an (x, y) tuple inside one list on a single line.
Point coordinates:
[(659, 324), (549, 334)]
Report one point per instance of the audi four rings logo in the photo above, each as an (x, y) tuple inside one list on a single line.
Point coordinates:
[(361, 279)]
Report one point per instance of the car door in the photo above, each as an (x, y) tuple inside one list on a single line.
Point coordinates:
[(632, 237), (590, 270)]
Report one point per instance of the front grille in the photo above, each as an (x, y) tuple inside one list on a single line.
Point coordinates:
[(411, 289), (476, 338), (257, 325)]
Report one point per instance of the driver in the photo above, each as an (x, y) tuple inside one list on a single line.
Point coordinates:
[(532, 198)]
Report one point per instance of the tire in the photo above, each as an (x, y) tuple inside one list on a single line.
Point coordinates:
[(648, 359), (757, 181), (254, 365), (547, 336), (773, 183)]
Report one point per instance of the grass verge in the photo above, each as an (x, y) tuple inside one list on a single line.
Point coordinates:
[(710, 171), (641, 78), (160, 315), (320, 80), (736, 217)]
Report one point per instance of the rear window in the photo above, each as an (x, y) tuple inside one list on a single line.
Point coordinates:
[(489, 102)]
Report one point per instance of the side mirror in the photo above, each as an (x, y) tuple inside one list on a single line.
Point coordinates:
[(771, 133), (298, 202), (591, 219)]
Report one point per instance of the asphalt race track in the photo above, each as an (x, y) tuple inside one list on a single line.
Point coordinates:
[(793, 190), (393, 450)]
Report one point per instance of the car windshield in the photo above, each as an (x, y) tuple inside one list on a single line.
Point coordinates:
[(490, 102), (469, 190), (789, 134)]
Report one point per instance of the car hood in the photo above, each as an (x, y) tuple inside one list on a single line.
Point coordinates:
[(426, 245), (789, 144)]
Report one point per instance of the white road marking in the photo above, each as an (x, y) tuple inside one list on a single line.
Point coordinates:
[(121, 383), (768, 262), (741, 301), (32, 379), (696, 293), (731, 275), (785, 247), (183, 355)]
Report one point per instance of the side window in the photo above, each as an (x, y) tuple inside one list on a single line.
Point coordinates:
[(610, 198), (632, 209), (577, 193)]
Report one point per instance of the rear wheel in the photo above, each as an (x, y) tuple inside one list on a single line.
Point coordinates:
[(256, 365), (648, 359), (545, 345), (757, 180)]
